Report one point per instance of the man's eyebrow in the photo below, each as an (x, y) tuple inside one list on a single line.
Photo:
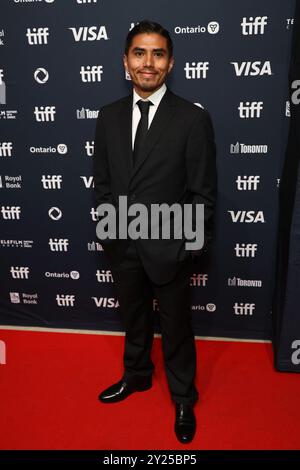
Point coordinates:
[(159, 49)]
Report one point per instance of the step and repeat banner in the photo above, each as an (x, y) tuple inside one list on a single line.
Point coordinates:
[(60, 61)]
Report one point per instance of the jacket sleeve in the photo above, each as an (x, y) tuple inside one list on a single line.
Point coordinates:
[(202, 172), (101, 173)]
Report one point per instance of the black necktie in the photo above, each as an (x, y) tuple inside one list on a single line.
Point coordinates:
[(142, 128)]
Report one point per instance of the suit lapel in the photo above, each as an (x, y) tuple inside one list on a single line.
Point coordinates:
[(161, 119)]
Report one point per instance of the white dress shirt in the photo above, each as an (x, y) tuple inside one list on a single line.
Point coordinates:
[(155, 98)]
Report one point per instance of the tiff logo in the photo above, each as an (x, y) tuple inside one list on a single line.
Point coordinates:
[(51, 181), (94, 214), (2, 352), (44, 113), (65, 300), (91, 73), (81, 2), (58, 244), (1, 76), (37, 36), (104, 275), (89, 147), (254, 25), (11, 212), (250, 110), (195, 71), (244, 250), (247, 183), (5, 149), (243, 309), (198, 280), (21, 272)]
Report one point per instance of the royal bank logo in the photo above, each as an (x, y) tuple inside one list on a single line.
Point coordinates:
[(253, 26), (196, 70), (65, 300), (85, 113), (247, 183), (6, 149), (44, 113), (250, 110), (104, 275), (11, 212), (238, 282), (244, 309), (11, 182), (198, 280), (248, 217), (106, 302), (89, 33), (58, 244), (245, 250), (91, 73), (19, 272), (17, 298), (252, 69), (41, 76), (89, 147), (37, 36), (213, 27), (246, 149)]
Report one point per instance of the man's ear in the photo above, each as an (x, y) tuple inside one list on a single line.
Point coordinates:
[(125, 62), (171, 64)]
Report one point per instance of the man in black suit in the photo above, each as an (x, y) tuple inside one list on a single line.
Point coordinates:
[(155, 148)]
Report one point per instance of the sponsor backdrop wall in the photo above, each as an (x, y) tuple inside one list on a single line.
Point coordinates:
[(60, 62)]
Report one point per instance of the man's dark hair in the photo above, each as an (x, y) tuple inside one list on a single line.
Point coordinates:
[(146, 26)]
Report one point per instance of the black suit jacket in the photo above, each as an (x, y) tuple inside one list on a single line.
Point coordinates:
[(177, 165)]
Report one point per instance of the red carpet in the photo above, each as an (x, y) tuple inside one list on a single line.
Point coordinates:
[(51, 381)]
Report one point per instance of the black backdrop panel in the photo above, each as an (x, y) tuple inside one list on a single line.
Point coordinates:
[(60, 62)]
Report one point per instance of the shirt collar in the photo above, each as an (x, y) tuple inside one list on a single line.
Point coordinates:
[(154, 98)]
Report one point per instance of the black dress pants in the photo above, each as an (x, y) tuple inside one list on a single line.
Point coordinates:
[(135, 293)]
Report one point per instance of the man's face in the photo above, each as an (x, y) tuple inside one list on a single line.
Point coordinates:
[(148, 62)]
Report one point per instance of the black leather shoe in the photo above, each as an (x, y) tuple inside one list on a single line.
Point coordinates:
[(185, 423), (124, 388)]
